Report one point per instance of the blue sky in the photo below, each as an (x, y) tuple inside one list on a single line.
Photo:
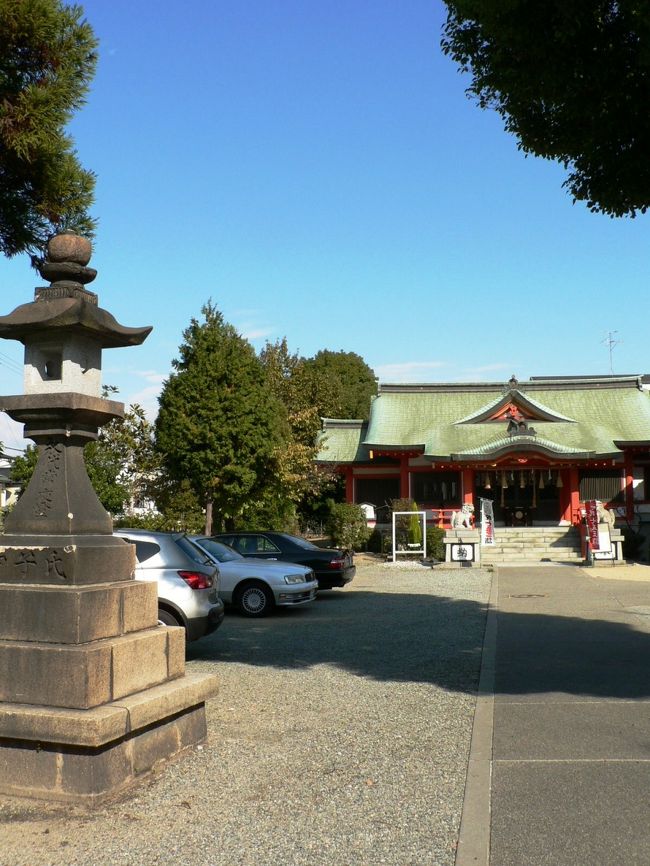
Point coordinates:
[(315, 168)]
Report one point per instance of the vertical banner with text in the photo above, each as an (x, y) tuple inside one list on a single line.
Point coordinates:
[(487, 522), (591, 514)]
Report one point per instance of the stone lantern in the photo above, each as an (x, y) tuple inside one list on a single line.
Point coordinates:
[(93, 692)]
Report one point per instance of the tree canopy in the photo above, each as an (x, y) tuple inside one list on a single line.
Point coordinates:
[(219, 426), (342, 384), (47, 60), (571, 79)]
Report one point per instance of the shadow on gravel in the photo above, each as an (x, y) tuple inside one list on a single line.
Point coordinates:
[(386, 636), (431, 639)]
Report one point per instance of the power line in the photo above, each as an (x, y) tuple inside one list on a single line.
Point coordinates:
[(10, 364)]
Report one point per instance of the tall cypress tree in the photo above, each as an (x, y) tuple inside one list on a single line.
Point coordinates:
[(47, 60), (219, 426)]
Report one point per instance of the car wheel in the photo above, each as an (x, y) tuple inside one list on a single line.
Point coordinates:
[(254, 599), (166, 618)]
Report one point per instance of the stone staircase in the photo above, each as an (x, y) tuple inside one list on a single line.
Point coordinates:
[(533, 544)]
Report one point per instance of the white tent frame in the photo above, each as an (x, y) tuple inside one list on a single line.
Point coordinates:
[(410, 551)]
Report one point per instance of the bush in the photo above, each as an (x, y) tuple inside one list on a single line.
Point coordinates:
[(379, 541), (408, 530), (347, 526), (435, 543)]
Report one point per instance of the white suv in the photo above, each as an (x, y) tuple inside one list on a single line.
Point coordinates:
[(188, 580)]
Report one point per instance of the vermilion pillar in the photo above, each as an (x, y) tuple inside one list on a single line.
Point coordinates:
[(629, 487), (565, 495), (349, 484), (404, 490), (574, 486), (468, 486)]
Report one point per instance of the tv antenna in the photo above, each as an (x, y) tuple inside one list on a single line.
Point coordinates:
[(610, 341)]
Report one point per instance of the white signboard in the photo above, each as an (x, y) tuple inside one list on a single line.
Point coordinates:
[(462, 552)]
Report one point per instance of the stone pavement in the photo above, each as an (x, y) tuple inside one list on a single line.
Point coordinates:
[(559, 770)]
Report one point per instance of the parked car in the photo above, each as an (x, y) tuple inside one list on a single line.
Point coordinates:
[(331, 566), (188, 580), (254, 588)]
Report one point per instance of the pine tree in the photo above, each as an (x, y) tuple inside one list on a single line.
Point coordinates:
[(219, 426), (47, 60)]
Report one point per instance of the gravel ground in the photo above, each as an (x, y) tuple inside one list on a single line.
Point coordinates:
[(340, 736)]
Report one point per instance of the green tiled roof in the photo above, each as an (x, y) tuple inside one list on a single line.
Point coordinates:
[(341, 441), (592, 415)]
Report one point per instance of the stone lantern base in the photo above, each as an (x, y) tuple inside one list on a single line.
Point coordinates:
[(93, 693)]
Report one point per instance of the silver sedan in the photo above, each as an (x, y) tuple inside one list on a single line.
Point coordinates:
[(255, 587)]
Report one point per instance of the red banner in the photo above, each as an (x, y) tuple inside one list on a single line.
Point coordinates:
[(591, 508)]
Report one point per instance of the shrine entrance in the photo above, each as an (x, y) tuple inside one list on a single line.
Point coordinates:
[(520, 497)]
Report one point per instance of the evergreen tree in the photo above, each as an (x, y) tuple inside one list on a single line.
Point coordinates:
[(219, 426), (47, 60)]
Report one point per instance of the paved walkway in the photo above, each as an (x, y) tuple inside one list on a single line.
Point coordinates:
[(559, 770)]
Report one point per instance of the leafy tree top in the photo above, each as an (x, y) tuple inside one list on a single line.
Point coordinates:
[(571, 79), (219, 425), (343, 384), (47, 60)]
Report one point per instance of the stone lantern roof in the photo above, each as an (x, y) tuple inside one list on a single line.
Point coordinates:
[(66, 305), (63, 328)]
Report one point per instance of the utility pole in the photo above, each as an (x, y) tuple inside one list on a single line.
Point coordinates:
[(610, 342)]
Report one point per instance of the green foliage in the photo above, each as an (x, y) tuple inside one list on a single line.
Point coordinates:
[(571, 81), (47, 60), (415, 527), (331, 384), (179, 509), (23, 466), (347, 526), (219, 426), (340, 384), (408, 530), (104, 467), (379, 541), (435, 543)]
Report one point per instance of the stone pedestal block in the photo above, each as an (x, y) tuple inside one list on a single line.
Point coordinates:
[(65, 560), (87, 675), (87, 756), (76, 614)]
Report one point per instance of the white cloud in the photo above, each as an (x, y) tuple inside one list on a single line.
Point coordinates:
[(489, 368), (147, 397), (152, 376), (256, 333), (11, 435), (408, 371)]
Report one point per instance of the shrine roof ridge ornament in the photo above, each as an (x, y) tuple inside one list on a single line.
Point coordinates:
[(538, 411)]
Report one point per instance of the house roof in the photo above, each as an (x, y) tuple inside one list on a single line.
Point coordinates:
[(580, 417)]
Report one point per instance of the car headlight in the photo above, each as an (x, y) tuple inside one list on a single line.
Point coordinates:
[(294, 578)]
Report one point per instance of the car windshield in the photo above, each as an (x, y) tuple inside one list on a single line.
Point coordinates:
[(219, 551), (193, 550), (300, 542)]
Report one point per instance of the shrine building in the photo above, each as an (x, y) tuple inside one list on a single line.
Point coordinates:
[(538, 449)]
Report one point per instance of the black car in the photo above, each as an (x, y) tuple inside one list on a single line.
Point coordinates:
[(332, 567)]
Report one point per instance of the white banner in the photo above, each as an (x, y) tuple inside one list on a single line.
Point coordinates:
[(487, 522)]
